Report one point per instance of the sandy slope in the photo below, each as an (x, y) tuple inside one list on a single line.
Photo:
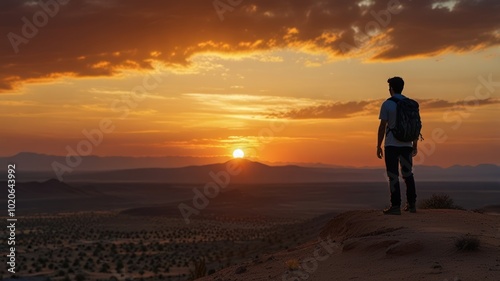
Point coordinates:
[(371, 246)]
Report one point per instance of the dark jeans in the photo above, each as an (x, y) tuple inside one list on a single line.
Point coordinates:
[(395, 156)]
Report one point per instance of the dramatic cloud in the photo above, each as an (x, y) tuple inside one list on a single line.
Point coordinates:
[(340, 110), (461, 104), (101, 37), (327, 111)]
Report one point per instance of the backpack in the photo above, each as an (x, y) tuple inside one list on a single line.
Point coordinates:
[(408, 123)]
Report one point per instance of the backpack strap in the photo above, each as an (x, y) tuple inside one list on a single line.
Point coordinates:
[(396, 100)]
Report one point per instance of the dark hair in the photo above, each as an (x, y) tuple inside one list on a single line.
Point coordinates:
[(397, 84)]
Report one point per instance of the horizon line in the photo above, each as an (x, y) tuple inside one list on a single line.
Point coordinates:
[(229, 158)]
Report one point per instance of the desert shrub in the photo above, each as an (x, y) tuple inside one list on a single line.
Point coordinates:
[(439, 201), (467, 243), (479, 211), (200, 270), (292, 264), (104, 268), (119, 265)]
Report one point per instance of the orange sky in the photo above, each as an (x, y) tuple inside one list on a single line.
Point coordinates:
[(286, 81)]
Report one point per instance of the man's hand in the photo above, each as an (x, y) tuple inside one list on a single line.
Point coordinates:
[(415, 150), (380, 137), (380, 153)]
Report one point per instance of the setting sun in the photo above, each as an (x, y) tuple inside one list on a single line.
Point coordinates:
[(238, 153)]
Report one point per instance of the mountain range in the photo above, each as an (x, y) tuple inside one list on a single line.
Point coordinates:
[(35, 162), (124, 169)]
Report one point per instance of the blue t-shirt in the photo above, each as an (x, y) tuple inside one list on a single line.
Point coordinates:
[(388, 113)]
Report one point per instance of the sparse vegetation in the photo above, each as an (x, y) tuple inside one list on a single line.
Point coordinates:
[(467, 243), (439, 201), (100, 246)]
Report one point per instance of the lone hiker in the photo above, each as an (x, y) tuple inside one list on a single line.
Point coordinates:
[(400, 124)]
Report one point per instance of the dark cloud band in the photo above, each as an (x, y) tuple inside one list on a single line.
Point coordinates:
[(49, 38)]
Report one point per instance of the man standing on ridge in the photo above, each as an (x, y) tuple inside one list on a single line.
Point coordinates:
[(399, 146)]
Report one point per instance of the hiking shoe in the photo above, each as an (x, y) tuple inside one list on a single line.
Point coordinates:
[(410, 208), (392, 211)]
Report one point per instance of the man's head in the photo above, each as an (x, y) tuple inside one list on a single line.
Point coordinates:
[(396, 85)]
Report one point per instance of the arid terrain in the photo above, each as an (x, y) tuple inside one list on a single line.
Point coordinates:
[(367, 245), (103, 245), (135, 231)]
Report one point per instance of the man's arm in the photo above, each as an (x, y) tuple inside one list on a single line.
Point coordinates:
[(415, 150), (381, 135)]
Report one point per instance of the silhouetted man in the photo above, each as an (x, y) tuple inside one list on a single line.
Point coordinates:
[(397, 152)]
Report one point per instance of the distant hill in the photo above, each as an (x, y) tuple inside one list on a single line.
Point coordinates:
[(258, 173), (251, 173), (37, 167), (35, 162), (234, 202), (50, 189)]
